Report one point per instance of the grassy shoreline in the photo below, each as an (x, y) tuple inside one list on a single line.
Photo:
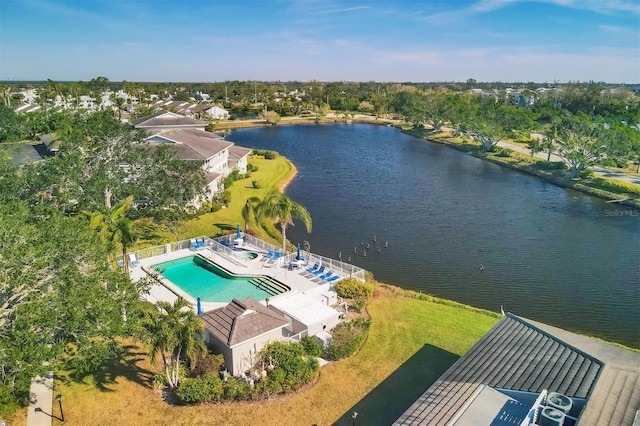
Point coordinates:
[(597, 187), (525, 164)]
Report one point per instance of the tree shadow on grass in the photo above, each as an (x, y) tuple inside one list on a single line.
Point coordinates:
[(225, 226), (384, 404), (123, 365)]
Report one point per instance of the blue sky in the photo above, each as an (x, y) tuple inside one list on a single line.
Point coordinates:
[(217, 40)]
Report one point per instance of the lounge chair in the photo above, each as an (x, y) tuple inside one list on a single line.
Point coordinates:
[(333, 278), (269, 255), (313, 268), (201, 243), (194, 244), (133, 261), (319, 271), (325, 276)]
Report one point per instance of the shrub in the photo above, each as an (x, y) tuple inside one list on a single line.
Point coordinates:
[(228, 182), (586, 173), (347, 338), (551, 165), (268, 155), (236, 390), (252, 167), (608, 162), (215, 207), (256, 184), (201, 389), (352, 288), (311, 346), (617, 186), (206, 364), (225, 198), (503, 152), (293, 368)]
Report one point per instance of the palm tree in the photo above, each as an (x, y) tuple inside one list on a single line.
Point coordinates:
[(174, 332), (283, 210), (117, 228)]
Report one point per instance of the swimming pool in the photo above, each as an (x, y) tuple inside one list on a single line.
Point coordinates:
[(201, 278)]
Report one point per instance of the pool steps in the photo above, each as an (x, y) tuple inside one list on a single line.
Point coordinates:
[(268, 285)]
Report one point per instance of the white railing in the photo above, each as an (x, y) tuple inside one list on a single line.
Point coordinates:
[(225, 246)]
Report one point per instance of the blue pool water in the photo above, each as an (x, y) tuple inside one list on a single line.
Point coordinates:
[(200, 278)]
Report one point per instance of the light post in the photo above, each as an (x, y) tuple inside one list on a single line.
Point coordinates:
[(59, 399), (353, 416)]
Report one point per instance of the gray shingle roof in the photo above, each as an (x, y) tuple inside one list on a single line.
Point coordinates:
[(523, 355), (240, 321), (164, 119), (192, 144), (237, 152)]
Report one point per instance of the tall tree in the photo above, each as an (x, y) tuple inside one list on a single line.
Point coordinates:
[(116, 228), (174, 332), (580, 142), (57, 291), (283, 210)]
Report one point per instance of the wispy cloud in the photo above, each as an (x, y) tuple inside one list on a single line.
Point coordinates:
[(618, 30), (603, 6), (345, 9), (484, 6)]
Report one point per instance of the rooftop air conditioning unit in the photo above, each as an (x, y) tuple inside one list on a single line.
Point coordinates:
[(550, 416), (559, 402)]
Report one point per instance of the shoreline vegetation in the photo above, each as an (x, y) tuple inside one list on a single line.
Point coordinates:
[(604, 188)]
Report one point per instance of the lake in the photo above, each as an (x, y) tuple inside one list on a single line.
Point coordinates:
[(462, 228)]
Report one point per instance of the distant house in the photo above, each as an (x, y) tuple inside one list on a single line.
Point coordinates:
[(164, 120), (527, 373), (215, 113), (240, 330)]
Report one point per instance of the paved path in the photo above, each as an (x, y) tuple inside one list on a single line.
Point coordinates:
[(611, 174), (41, 401)]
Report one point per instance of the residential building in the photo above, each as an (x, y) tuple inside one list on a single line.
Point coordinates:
[(192, 143)]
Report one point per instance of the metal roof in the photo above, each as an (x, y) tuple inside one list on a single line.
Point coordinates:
[(522, 355), (304, 308)]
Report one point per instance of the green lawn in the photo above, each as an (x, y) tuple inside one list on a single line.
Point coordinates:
[(271, 174), (411, 343)]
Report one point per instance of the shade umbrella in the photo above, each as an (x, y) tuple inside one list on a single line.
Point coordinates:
[(238, 234), (199, 306), (298, 256)]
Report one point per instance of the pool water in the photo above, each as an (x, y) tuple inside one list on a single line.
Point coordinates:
[(249, 255), (200, 278)]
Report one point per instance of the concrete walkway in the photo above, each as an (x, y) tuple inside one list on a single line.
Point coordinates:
[(41, 401)]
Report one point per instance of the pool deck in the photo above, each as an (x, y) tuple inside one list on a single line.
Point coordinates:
[(295, 278)]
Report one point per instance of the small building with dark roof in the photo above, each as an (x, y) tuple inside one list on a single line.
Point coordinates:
[(240, 330), (515, 372)]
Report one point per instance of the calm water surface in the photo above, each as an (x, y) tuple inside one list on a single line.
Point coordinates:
[(549, 254)]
